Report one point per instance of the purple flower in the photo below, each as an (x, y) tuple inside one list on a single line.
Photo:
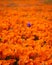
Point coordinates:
[(29, 24)]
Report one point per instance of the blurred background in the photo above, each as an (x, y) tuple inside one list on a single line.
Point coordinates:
[(15, 3)]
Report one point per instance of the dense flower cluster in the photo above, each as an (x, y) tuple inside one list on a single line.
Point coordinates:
[(26, 36)]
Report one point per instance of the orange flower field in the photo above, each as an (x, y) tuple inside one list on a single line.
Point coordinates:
[(25, 32)]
